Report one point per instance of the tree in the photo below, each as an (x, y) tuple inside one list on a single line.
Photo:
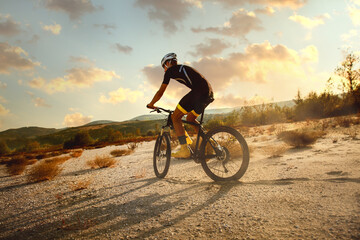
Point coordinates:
[(81, 139), (349, 73)]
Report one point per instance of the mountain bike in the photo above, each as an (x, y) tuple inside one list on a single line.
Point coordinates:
[(222, 151)]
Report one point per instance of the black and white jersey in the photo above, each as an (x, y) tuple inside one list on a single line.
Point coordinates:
[(189, 77)]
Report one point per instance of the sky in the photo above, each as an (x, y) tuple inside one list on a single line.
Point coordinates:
[(65, 63)]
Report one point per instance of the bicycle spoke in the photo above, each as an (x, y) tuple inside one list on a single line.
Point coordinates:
[(224, 154)]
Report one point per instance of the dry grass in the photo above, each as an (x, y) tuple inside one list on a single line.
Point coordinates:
[(101, 162), (271, 129), (344, 122), (275, 151), (58, 160), (17, 165), (140, 173), (133, 145), (121, 152), (43, 171), (300, 138), (76, 154), (80, 185), (46, 169)]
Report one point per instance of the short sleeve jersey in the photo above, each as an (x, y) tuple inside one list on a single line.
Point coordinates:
[(189, 77)]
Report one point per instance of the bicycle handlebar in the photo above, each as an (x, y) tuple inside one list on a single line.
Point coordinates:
[(159, 110)]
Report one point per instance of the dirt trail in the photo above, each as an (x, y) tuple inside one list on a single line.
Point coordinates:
[(309, 193)]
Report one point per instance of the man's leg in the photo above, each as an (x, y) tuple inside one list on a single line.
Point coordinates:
[(191, 117), (180, 133), (178, 126)]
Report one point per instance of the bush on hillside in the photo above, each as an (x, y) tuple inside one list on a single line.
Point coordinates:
[(4, 149), (81, 139)]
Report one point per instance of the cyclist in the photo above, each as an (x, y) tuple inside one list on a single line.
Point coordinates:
[(192, 104)]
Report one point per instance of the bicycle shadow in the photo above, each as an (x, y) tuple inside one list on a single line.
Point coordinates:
[(81, 216)]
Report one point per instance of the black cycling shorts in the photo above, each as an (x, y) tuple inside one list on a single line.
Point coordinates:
[(195, 103)]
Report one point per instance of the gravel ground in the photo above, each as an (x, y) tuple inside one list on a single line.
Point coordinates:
[(308, 193)]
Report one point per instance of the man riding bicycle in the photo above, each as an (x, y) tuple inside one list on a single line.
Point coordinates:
[(192, 104)]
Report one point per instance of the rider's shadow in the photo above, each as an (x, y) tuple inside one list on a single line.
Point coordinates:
[(149, 210)]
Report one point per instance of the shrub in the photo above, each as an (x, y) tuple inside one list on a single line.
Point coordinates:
[(120, 152), (17, 165), (101, 162), (4, 149), (31, 146), (132, 146), (344, 121), (76, 154), (264, 114), (214, 122), (275, 151), (300, 138), (80, 185), (44, 170)]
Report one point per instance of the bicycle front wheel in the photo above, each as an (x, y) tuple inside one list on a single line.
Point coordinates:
[(162, 155), (225, 154)]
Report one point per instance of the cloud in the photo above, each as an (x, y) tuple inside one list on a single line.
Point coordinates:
[(308, 22), (54, 29), (3, 111), (82, 60), (309, 54), (260, 65), (293, 4), (76, 119), (2, 99), (347, 36), (106, 27), (14, 58), (354, 13), (74, 8), (121, 95), (35, 38), (169, 13), (76, 78), (267, 10), (231, 100), (123, 48), (211, 47), (241, 23), (8, 27), (38, 101), (3, 85)]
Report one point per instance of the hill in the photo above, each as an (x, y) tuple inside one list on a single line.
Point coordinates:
[(26, 132)]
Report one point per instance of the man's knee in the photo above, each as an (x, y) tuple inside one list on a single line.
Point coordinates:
[(190, 117), (176, 116)]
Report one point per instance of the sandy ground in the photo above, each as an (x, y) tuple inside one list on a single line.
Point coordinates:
[(308, 193)]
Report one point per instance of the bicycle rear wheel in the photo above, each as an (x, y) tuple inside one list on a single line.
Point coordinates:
[(225, 154), (162, 155)]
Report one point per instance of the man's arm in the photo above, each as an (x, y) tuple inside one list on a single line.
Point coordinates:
[(157, 96)]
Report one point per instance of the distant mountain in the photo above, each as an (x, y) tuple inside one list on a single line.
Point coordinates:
[(148, 117), (26, 132), (99, 122)]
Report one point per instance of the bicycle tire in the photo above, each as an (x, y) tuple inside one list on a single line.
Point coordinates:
[(231, 151), (162, 155)]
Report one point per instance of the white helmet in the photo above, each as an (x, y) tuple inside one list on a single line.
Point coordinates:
[(169, 56)]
